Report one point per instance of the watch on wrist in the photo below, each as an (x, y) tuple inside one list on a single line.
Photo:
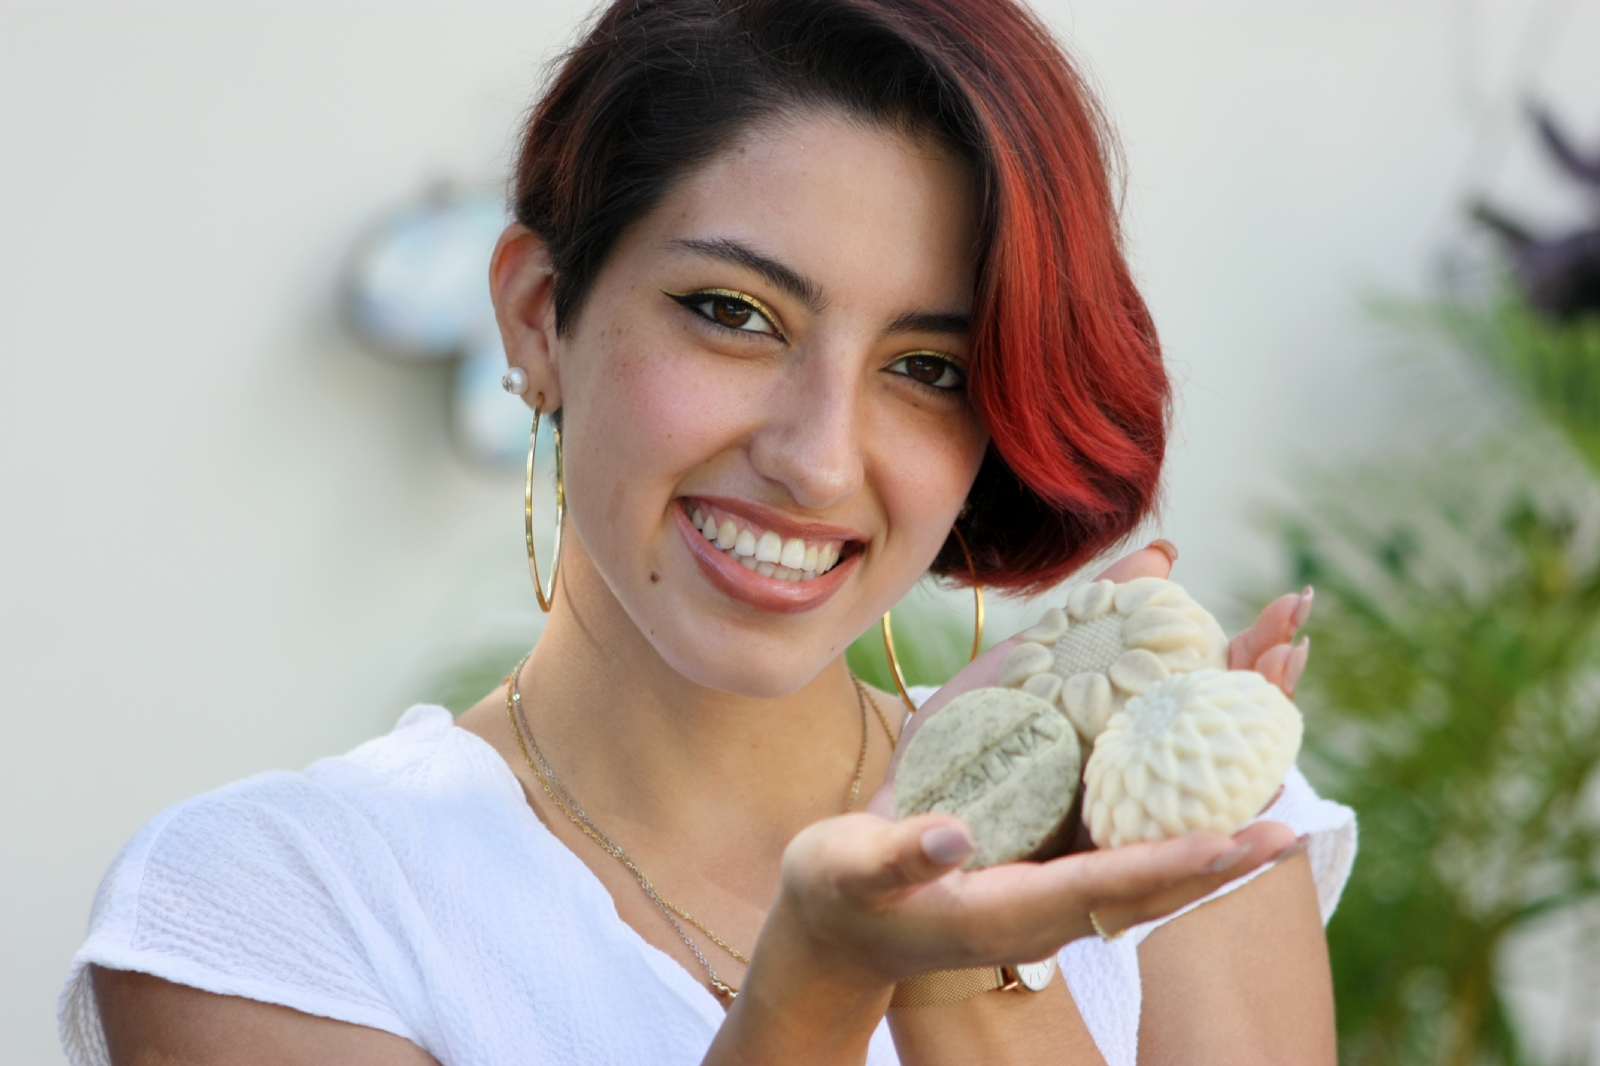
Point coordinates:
[(952, 986)]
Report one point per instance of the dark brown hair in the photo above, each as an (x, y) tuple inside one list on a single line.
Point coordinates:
[(1065, 369)]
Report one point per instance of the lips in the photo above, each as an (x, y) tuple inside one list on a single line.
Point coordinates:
[(763, 559)]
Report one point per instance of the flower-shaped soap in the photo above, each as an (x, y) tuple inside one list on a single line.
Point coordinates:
[(1197, 751), (1112, 642), (1005, 762)]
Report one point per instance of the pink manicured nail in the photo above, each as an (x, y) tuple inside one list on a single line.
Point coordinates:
[(947, 844), (1167, 548), (1302, 610), (1296, 665), (1228, 859)]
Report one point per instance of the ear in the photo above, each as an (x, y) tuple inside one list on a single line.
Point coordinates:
[(522, 286)]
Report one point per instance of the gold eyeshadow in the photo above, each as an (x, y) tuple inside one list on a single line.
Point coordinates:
[(693, 295)]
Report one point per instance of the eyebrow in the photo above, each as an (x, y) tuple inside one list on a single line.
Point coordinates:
[(931, 322), (809, 292), (786, 278)]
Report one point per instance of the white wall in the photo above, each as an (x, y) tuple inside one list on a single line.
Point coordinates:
[(230, 540)]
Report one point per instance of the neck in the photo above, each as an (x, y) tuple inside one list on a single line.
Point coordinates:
[(641, 745)]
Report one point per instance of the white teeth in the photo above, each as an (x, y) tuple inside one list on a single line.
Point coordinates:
[(794, 553), (767, 552)]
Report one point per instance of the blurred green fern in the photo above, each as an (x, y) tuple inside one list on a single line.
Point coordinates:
[(1455, 700)]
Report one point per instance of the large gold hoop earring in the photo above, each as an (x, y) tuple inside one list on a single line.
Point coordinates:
[(977, 628), (547, 596)]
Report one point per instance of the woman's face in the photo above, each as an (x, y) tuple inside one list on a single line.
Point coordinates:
[(767, 435)]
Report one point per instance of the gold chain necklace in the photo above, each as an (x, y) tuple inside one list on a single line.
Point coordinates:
[(575, 813)]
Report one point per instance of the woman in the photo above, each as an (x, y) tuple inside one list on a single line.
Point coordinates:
[(825, 294)]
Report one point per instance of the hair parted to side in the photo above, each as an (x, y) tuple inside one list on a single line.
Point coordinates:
[(1065, 369)]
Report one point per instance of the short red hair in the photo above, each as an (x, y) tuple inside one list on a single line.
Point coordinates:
[(1065, 368)]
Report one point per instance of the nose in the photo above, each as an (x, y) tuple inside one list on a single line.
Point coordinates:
[(810, 437)]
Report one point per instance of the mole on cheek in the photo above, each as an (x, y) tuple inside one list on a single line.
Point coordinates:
[(654, 577)]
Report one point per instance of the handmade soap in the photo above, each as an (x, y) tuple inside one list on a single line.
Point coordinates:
[(1111, 642), (1198, 751), (1004, 761)]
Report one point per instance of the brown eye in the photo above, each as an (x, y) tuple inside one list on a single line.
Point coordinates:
[(731, 313), (925, 368), (930, 370), (730, 310)]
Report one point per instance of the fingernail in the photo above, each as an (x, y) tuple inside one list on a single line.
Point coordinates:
[(1228, 859), (947, 844), (1302, 610), (1165, 547), (1293, 849), (1296, 665)]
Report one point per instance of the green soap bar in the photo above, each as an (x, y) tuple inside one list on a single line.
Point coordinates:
[(1005, 762)]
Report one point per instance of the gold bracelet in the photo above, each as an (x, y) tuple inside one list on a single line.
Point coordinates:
[(940, 987)]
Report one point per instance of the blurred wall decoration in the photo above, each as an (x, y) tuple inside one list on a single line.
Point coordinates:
[(416, 289)]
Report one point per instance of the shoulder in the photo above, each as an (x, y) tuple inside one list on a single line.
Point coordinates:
[(314, 827), (281, 887)]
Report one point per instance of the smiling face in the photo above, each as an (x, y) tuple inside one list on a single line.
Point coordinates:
[(766, 433)]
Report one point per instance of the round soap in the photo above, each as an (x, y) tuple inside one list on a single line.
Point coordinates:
[(1002, 760), (1112, 641), (1198, 751)]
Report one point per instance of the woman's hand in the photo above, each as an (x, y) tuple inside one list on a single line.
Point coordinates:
[(888, 900), (866, 902)]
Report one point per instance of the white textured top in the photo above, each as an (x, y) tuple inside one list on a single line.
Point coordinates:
[(408, 886)]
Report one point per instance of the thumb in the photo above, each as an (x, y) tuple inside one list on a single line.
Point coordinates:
[(1153, 561), (916, 851)]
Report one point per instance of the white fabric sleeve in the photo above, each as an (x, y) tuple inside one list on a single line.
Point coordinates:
[(246, 891)]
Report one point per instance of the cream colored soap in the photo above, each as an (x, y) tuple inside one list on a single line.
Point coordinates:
[(1111, 642), (1199, 751), (1004, 761)]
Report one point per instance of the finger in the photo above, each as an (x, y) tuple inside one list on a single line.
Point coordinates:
[(1153, 561), (1253, 847), (1274, 664), (1296, 667), (882, 802), (1275, 626), (1035, 907), (862, 855)]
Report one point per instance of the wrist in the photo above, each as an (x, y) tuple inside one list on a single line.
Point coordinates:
[(802, 999)]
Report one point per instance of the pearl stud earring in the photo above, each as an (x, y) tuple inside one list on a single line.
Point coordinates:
[(515, 381)]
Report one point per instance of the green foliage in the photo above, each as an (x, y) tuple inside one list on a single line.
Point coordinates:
[(1556, 369), (1454, 701), (930, 642)]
